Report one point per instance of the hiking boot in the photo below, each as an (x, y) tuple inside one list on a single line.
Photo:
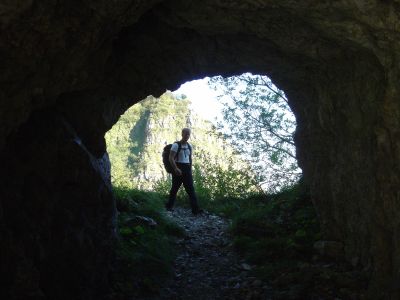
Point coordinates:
[(197, 212), (168, 208)]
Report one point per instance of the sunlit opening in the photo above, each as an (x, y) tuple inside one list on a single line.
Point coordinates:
[(242, 128)]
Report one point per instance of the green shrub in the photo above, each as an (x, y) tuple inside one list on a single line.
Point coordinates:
[(144, 253), (218, 187), (281, 227)]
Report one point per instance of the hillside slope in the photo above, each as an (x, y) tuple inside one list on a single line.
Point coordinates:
[(136, 141)]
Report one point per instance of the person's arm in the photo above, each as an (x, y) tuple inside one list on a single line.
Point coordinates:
[(173, 164), (190, 155)]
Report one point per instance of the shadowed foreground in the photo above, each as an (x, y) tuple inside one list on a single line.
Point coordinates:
[(206, 266)]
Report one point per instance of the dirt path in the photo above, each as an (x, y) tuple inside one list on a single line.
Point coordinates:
[(206, 266)]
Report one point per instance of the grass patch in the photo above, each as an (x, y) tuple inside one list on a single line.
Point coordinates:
[(281, 227), (145, 250), (276, 234)]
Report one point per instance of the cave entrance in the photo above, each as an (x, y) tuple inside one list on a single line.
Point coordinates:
[(82, 67), (242, 132), (244, 117)]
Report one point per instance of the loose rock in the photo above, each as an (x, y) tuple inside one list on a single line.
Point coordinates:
[(205, 268)]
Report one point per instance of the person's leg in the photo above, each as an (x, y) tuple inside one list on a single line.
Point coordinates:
[(176, 184), (189, 188)]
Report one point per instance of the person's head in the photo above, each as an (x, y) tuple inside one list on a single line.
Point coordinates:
[(185, 134)]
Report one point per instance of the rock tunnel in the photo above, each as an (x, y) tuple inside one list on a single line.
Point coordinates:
[(71, 68)]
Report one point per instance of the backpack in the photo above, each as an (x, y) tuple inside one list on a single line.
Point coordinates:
[(165, 156)]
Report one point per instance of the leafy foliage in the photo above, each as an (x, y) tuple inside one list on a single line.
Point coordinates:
[(259, 123)]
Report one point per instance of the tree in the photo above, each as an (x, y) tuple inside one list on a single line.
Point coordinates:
[(259, 123)]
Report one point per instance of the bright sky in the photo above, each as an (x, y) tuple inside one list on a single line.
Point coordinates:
[(204, 101)]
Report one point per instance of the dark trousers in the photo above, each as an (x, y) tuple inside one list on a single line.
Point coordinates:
[(187, 179)]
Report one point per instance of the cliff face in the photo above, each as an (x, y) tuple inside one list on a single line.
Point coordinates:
[(70, 69), (136, 141)]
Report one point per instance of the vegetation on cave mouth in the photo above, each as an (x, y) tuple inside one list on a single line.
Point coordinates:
[(256, 239), (252, 141), (259, 248)]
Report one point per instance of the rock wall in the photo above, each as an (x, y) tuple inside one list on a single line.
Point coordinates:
[(57, 214), (70, 69)]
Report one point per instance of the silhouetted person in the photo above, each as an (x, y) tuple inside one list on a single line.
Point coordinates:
[(180, 158)]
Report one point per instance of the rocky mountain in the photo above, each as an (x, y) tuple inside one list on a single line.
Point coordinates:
[(136, 141)]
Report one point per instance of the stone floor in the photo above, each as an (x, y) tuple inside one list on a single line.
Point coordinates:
[(206, 266)]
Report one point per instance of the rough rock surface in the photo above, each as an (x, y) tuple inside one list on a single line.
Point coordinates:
[(85, 62), (57, 217), (207, 267)]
